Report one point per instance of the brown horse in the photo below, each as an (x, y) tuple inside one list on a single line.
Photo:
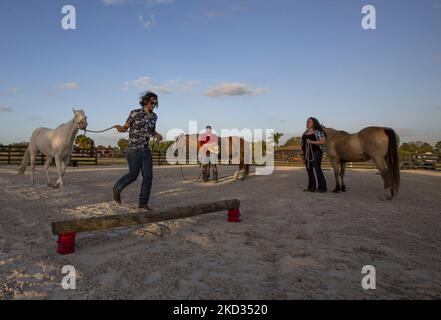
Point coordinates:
[(376, 143), (235, 154)]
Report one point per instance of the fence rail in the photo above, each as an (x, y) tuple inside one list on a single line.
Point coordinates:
[(14, 155)]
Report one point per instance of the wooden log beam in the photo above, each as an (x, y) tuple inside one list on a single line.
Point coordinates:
[(123, 220)]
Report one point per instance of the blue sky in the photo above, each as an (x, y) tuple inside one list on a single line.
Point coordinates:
[(228, 63)]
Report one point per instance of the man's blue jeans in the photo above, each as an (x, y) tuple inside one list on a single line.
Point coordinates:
[(139, 160)]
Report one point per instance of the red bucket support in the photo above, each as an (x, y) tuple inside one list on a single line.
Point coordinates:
[(234, 215), (66, 243)]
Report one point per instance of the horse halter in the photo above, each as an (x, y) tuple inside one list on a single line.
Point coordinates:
[(82, 124)]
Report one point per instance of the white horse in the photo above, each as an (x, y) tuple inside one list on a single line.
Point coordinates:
[(54, 144)]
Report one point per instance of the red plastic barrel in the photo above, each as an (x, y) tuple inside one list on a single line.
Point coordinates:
[(234, 215), (66, 243)]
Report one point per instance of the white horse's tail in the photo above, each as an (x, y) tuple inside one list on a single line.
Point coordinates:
[(24, 162)]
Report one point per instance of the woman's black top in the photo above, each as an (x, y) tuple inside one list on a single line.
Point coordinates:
[(314, 147)]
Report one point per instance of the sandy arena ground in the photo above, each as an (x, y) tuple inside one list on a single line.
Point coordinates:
[(290, 245)]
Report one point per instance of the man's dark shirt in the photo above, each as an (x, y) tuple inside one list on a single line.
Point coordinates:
[(142, 128)]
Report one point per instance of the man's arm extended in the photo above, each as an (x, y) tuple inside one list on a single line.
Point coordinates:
[(123, 128), (126, 127)]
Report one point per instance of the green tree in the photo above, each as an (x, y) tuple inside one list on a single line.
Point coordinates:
[(123, 144), (425, 147), (408, 148), (19, 144), (84, 142), (276, 138), (294, 141), (438, 146)]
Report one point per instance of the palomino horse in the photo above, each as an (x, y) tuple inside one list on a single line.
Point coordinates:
[(236, 152), (376, 143), (54, 144)]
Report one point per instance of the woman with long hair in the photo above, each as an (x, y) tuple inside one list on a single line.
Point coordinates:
[(313, 141)]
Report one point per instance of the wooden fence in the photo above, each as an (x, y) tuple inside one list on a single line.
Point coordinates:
[(14, 155)]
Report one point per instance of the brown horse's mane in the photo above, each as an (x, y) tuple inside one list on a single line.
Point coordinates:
[(335, 131)]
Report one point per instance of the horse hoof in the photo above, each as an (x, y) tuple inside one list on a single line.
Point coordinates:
[(336, 191), (343, 189)]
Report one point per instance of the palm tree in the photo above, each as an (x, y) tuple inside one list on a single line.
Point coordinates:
[(276, 138)]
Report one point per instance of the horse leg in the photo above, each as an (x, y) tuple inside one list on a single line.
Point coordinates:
[(381, 166), (236, 174), (336, 166), (33, 158), (47, 164), (59, 164), (243, 171), (247, 170), (342, 176)]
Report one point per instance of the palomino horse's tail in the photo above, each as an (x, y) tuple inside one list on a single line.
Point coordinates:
[(392, 161), (24, 162)]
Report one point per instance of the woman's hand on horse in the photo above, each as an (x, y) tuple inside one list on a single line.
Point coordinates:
[(119, 128)]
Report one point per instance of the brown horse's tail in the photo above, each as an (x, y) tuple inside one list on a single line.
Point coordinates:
[(392, 161)]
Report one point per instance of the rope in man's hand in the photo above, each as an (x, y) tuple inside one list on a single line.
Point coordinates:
[(156, 142)]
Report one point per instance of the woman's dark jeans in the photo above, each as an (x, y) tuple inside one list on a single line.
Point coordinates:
[(139, 160), (316, 165)]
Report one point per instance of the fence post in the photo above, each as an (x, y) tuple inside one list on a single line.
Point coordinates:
[(9, 154), (96, 156)]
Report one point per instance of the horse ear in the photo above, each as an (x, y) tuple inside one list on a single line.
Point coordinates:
[(73, 110)]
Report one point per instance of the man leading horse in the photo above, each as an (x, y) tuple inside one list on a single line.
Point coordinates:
[(142, 125)]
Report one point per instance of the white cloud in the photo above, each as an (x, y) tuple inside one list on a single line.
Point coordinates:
[(147, 2), (11, 92), (112, 2), (172, 86), (225, 12), (148, 22), (5, 109), (68, 86), (142, 83), (234, 89), (65, 86)]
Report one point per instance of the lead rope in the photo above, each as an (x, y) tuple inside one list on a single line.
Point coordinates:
[(188, 180), (99, 131), (309, 155), (155, 143)]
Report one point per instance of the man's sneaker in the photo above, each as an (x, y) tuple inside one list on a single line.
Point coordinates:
[(145, 207)]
